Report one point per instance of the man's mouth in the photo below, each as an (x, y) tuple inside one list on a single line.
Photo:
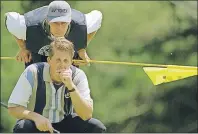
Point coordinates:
[(59, 70)]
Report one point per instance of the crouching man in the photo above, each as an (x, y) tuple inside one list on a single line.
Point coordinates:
[(54, 95)]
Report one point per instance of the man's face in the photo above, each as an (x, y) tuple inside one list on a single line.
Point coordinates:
[(58, 29), (59, 61)]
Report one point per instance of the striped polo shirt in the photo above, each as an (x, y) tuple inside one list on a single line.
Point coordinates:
[(36, 91)]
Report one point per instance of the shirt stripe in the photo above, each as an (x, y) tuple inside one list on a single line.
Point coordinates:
[(48, 101), (30, 77)]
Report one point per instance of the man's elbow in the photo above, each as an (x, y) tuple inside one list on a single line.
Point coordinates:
[(87, 117), (89, 114), (15, 111)]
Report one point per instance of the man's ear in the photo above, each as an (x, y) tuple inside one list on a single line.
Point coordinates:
[(47, 26), (48, 59)]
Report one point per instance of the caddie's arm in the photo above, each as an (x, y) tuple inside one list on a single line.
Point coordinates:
[(23, 55), (20, 43), (15, 24), (83, 53), (90, 37)]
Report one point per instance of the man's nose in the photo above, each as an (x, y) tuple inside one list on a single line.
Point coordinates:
[(62, 64), (61, 25)]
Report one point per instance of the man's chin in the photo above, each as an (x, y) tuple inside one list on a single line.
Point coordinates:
[(58, 80)]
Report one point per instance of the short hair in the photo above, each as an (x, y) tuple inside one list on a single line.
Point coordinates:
[(61, 44)]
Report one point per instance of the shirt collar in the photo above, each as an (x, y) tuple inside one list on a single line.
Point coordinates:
[(46, 73)]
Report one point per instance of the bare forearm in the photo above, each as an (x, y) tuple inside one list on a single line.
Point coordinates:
[(42, 123), (81, 52), (20, 43), (82, 107), (90, 37), (21, 113)]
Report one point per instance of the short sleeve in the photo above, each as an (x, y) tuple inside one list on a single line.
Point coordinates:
[(94, 21), (23, 89), (81, 82), (15, 23)]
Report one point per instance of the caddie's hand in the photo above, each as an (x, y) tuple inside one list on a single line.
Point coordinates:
[(43, 124), (83, 55), (66, 77), (24, 55)]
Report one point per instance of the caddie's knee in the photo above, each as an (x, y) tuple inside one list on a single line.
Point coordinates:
[(24, 126)]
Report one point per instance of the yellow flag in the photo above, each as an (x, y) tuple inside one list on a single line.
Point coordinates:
[(163, 75)]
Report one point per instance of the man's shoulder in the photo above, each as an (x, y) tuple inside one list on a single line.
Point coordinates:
[(36, 16), (41, 64), (36, 66), (29, 73), (31, 67), (78, 17), (35, 27)]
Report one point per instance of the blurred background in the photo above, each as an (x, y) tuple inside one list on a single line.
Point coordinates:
[(125, 99)]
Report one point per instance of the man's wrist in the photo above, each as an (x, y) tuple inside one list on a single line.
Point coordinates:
[(31, 115), (22, 47), (71, 87), (72, 90), (81, 50)]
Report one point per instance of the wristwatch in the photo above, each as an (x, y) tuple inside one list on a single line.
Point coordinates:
[(72, 90)]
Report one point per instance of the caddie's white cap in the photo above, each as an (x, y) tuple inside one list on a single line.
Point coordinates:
[(59, 11)]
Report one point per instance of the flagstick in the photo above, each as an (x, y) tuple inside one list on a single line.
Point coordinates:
[(126, 63), (7, 58), (141, 64)]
